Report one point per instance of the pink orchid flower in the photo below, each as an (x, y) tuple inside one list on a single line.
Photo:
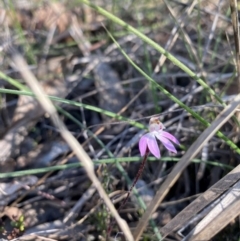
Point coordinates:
[(148, 141)]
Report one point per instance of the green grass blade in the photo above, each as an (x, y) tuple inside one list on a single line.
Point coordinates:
[(172, 97), (103, 161), (77, 104), (154, 45)]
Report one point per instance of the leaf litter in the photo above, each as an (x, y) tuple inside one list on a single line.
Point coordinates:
[(74, 59)]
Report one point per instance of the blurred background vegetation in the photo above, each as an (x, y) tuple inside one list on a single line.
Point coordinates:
[(106, 103)]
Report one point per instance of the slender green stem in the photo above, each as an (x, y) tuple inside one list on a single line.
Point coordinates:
[(103, 161), (154, 45), (78, 104), (119, 117), (172, 97)]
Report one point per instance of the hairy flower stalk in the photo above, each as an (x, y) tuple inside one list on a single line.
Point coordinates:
[(148, 143), (140, 170)]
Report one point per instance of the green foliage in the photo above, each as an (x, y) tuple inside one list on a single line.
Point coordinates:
[(19, 224)]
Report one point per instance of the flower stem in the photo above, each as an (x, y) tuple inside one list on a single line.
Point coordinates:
[(139, 173)]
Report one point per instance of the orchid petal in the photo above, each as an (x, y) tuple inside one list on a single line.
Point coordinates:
[(166, 142), (152, 145), (143, 145), (170, 137)]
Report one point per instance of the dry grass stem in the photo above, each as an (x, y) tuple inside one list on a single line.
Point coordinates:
[(76, 147)]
